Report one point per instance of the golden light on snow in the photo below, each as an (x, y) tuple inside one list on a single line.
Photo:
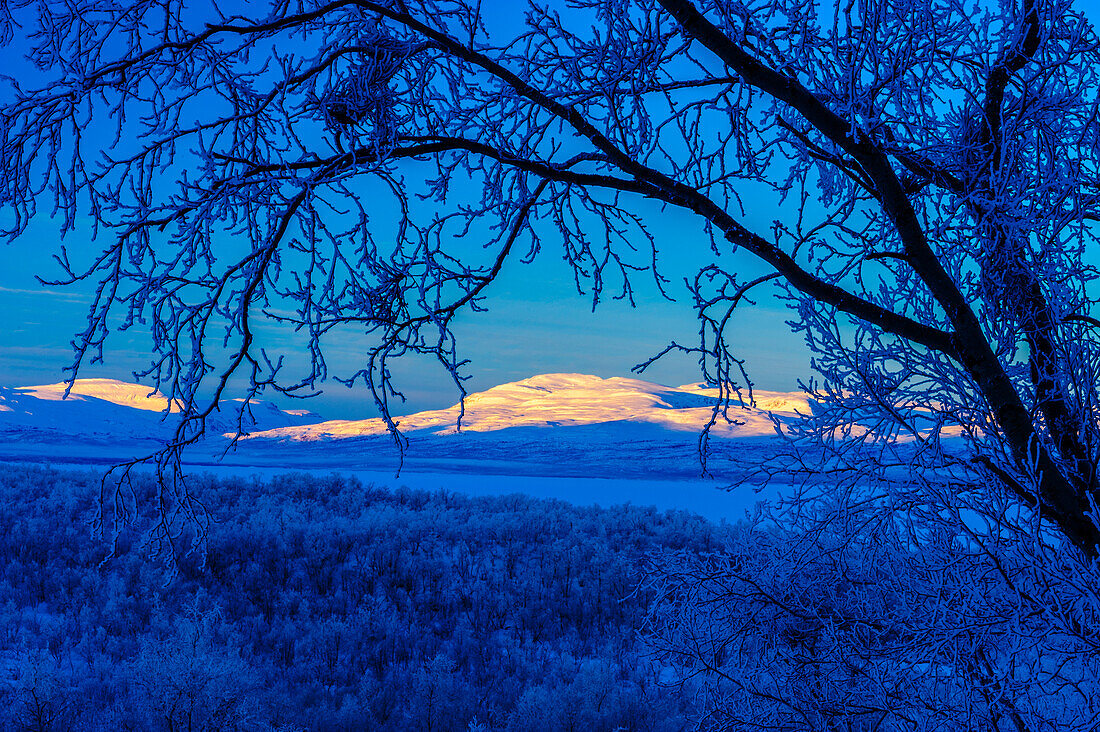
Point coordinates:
[(567, 400)]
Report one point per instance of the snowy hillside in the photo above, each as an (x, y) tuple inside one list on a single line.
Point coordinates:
[(573, 400), (553, 425), (110, 413)]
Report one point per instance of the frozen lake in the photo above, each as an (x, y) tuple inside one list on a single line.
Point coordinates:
[(706, 497)]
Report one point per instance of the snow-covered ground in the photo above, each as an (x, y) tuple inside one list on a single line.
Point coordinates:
[(575, 437)]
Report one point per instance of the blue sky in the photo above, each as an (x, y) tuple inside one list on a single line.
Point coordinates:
[(536, 323)]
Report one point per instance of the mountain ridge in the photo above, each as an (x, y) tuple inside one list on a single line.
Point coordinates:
[(547, 425), (561, 400), (103, 406)]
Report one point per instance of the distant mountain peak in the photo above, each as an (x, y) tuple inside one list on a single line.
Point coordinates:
[(114, 391), (552, 424), (572, 400), (113, 410)]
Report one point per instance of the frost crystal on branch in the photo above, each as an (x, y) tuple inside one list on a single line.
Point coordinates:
[(364, 96)]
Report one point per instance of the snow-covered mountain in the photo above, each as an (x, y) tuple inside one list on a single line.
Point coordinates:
[(111, 411), (553, 425), (564, 425), (572, 400)]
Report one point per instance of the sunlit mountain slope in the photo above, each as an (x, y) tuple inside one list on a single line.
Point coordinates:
[(108, 409), (573, 400), (549, 425)]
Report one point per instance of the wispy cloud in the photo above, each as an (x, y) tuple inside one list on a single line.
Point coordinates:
[(47, 291)]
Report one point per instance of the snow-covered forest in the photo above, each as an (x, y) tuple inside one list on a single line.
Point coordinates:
[(328, 605)]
